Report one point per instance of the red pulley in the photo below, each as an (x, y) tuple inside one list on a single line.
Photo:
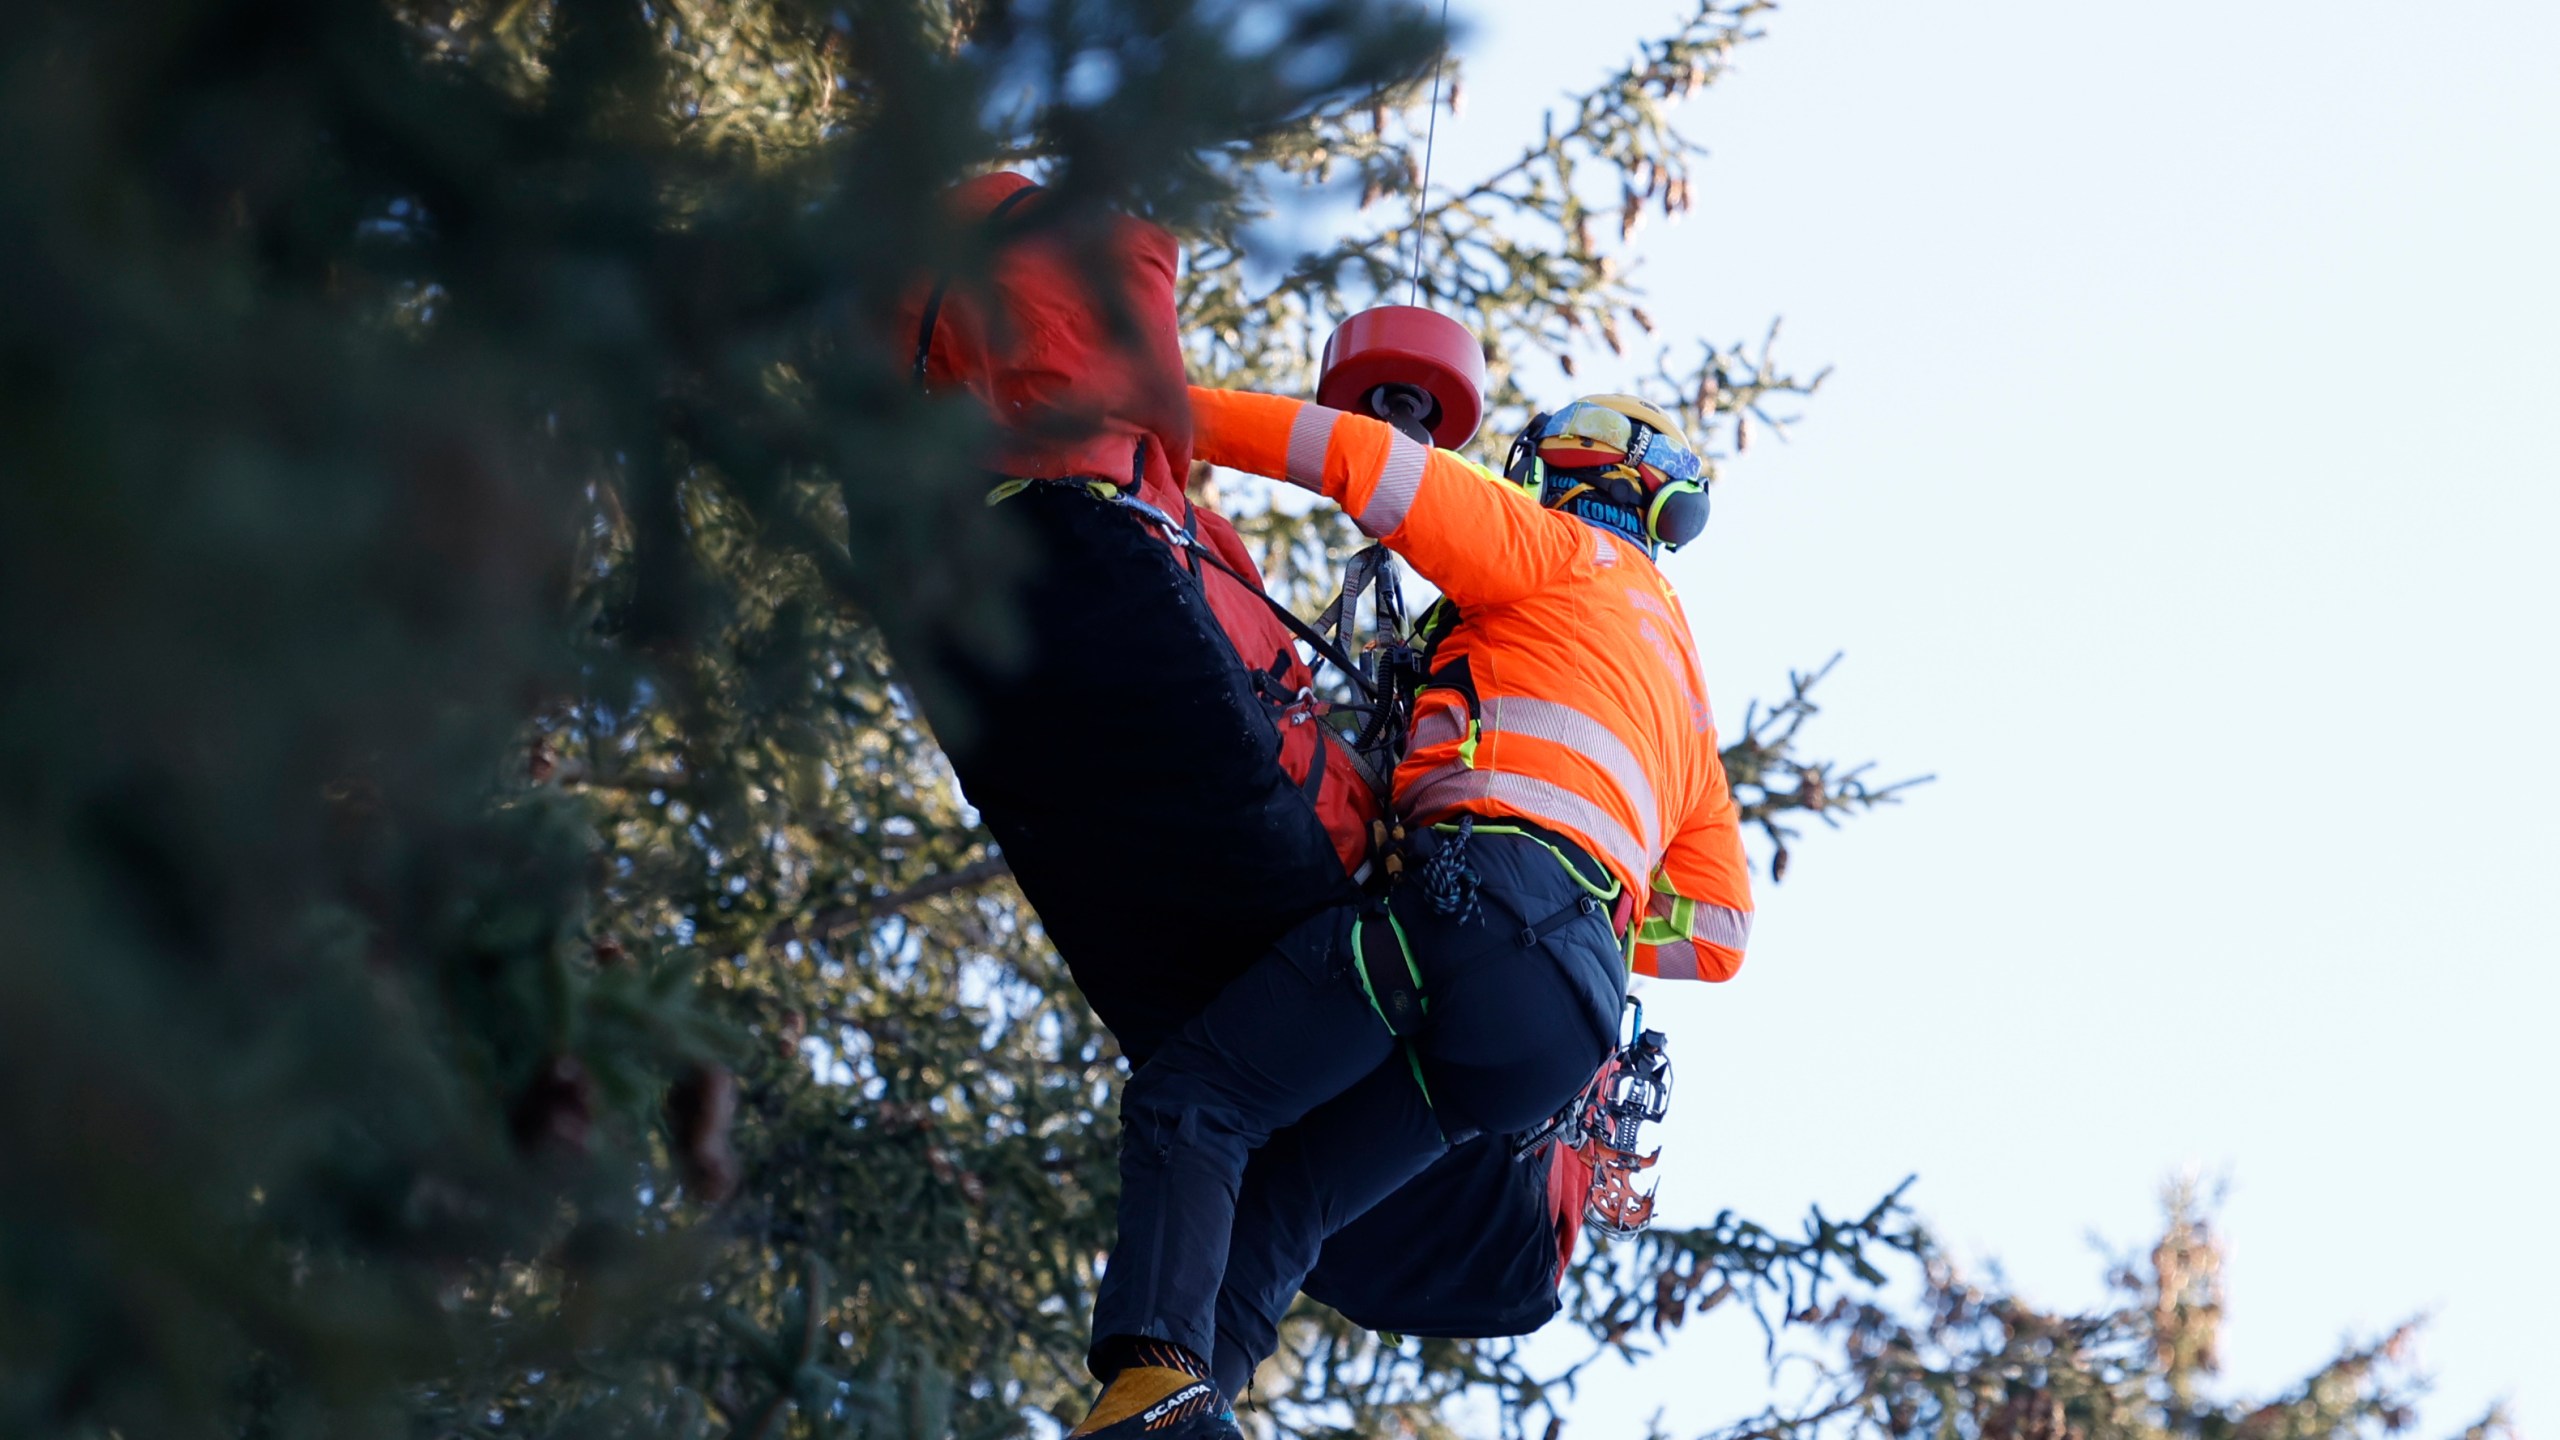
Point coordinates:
[(1405, 362)]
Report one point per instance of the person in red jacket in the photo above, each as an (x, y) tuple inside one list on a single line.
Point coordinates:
[(1566, 809)]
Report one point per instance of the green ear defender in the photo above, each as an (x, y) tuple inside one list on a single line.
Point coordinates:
[(1677, 514), (1523, 468), (1535, 480), (1674, 515)]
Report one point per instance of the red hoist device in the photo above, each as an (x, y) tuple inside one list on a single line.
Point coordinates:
[(1416, 369), (1423, 373)]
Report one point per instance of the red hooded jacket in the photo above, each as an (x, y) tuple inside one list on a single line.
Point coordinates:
[(1074, 396), (1070, 397)]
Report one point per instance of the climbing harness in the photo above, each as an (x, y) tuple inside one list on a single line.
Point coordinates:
[(1391, 663), (1603, 1126), (1394, 990)]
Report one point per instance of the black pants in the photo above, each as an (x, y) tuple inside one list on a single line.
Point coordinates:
[(1285, 1109), (1127, 766), (1124, 762)]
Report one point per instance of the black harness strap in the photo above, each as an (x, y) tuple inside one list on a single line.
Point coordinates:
[(1458, 675), (1271, 682), (1191, 546), (1313, 789), (1582, 905), (1183, 538)]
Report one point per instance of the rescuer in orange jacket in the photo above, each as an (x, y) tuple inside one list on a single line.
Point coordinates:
[(1569, 694), (1564, 809)]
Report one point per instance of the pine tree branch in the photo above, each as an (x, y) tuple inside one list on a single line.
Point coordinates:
[(835, 920)]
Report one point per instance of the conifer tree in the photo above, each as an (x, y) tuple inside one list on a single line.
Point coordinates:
[(487, 946)]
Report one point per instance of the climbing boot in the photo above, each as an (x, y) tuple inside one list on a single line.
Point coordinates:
[(1158, 1402)]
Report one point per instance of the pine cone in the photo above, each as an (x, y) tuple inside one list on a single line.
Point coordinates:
[(557, 1112), (700, 1109)]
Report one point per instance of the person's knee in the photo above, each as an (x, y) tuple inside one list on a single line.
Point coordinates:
[(1149, 1133), (1166, 1114)]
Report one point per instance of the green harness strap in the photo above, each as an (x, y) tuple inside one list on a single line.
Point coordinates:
[(1608, 893), (1006, 490), (1360, 967), (1605, 894), (1360, 962)]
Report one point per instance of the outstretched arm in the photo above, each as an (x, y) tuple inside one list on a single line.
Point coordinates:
[(1481, 540)]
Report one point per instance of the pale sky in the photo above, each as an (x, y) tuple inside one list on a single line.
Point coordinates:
[(2183, 499)]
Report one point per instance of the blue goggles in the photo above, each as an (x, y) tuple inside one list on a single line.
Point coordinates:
[(1607, 429)]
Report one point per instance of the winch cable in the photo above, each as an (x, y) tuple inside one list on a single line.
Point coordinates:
[(1430, 143)]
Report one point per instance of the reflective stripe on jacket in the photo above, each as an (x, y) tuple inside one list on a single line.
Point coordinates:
[(1569, 692)]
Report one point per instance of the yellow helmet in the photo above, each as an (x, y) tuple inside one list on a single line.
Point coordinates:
[(1579, 422), (1622, 449)]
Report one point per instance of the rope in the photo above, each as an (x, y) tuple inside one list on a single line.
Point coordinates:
[(1449, 880), (1430, 144)]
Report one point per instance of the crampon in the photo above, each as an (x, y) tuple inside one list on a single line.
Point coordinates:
[(1603, 1126)]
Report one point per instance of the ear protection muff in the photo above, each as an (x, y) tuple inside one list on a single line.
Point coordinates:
[(1523, 468), (1675, 515), (1678, 513), (1678, 510)]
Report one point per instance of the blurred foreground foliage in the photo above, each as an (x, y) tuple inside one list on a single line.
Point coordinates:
[(486, 946)]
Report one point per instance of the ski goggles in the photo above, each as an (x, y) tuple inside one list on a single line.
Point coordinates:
[(1603, 428)]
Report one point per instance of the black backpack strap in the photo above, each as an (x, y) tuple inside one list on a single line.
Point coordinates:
[(1190, 547), (1182, 538), (1434, 627), (1313, 786)]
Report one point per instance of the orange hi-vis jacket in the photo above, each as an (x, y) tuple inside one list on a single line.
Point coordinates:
[(1569, 692)]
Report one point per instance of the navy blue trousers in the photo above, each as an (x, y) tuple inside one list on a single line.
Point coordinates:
[(1285, 1109)]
